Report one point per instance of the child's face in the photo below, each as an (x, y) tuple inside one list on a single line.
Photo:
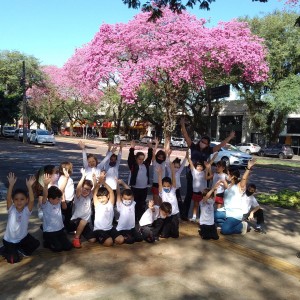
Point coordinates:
[(54, 176), (166, 187), (199, 168), (103, 199), (127, 199), (92, 163), (220, 168), (140, 159), (176, 166), (86, 190), (163, 214), (54, 201), (20, 201)]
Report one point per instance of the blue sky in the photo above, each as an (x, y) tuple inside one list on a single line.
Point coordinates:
[(51, 30)]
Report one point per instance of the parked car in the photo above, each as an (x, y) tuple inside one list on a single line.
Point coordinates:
[(278, 150), (249, 148), (9, 131), (19, 134), (145, 139), (231, 155), (40, 136), (178, 142)]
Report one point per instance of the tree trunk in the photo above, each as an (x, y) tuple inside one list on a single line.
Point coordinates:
[(169, 120)]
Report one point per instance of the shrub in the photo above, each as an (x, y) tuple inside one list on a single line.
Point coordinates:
[(284, 198)]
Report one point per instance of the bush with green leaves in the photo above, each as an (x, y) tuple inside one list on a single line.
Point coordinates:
[(284, 198)]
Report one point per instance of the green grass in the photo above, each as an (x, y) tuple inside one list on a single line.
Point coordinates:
[(278, 164), (284, 198)]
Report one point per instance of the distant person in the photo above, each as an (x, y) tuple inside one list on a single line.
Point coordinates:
[(251, 208), (200, 152), (17, 241)]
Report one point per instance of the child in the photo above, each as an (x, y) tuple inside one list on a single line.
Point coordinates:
[(251, 208), (208, 229), (158, 159), (125, 231), (167, 192), (69, 191), (104, 201), (53, 226), (178, 167), (90, 162), (139, 177), (80, 221), (219, 175), (200, 177), (19, 205), (152, 220)]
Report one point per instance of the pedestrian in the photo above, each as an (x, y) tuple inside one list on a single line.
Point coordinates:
[(152, 220), (200, 152), (139, 178), (178, 168), (81, 218), (17, 241), (53, 227), (126, 232), (251, 208)]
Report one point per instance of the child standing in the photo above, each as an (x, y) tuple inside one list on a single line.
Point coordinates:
[(167, 192), (200, 177), (125, 231), (208, 229), (16, 239), (53, 226), (80, 221), (178, 168), (104, 201), (139, 177), (158, 160), (152, 220)]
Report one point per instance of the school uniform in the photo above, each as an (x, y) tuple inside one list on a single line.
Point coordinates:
[(199, 184), (207, 225), (220, 190)]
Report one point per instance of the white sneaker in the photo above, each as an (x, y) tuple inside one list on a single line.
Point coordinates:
[(245, 227), (193, 220)]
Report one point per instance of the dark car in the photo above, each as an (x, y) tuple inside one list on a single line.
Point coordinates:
[(278, 150)]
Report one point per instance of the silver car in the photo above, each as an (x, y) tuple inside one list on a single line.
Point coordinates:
[(249, 148), (9, 131), (231, 155), (40, 136)]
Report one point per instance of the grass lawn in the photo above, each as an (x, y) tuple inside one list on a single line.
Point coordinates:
[(278, 163)]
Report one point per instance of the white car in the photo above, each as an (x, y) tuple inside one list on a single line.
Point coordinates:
[(9, 131), (178, 142), (249, 148), (231, 155), (19, 134), (40, 136)]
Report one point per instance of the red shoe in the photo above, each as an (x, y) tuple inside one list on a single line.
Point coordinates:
[(76, 243)]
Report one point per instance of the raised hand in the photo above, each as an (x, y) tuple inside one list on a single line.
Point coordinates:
[(30, 181), (114, 149), (46, 179), (151, 204), (66, 173), (251, 163), (101, 178), (232, 134), (81, 144), (11, 179), (132, 144), (109, 146), (83, 172)]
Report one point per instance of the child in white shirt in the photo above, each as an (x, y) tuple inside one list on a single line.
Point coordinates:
[(16, 239), (152, 220)]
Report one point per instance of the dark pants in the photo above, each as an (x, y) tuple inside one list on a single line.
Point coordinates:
[(258, 215), (26, 246), (208, 232), (180, 202), (170, 227), (67, 213), (188, 195), (57, 241), (140, 196), (151, 232)]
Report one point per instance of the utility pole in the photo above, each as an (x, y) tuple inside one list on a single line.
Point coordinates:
[(25, 121)]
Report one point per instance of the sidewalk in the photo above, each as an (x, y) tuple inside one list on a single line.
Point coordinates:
[(254, 266)]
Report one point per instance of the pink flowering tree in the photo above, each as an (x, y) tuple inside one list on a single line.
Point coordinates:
[(174, 54)]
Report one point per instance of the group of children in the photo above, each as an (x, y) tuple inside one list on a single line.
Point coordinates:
[(104, 209)]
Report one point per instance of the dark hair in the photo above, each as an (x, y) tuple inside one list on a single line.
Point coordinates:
[(251, 185), (166, 207), (205, 191), (205, 137), (37, 187), (93, 156), (200, 163), (103, 191), (235, 173), (167, 179), (54, 192), (138, 154), (177, 160), (67, 165), (127, 192), (88, 183), (223, 164), (114, 156), (19, 191), (160, 152)]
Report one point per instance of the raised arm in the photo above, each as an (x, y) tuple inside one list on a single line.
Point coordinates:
[(11, 182), (184, 132), (29, 183), (168, 161), (189, 160), (119, 157), (100, 182), (148, 160), (224, 142), (106, 158), (245, 177), (210, 193), (155, 149), (208, 172), (159, 176), (46, 180), (79, 185), (131, 157), (84, 155), (173, 175)]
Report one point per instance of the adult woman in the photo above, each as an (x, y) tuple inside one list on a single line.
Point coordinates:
[(200, 152)]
